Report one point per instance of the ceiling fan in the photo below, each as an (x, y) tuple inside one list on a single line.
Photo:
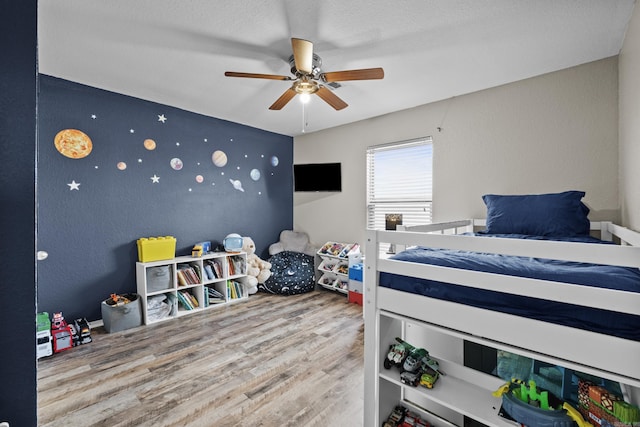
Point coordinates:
[(309, 78)]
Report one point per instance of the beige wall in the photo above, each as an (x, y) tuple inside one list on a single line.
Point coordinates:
[(550, 133), (629, 64)]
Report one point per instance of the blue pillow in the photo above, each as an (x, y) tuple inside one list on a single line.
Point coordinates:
[(555, 214)]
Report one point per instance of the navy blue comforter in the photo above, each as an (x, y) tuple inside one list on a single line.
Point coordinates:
[(602, 321)]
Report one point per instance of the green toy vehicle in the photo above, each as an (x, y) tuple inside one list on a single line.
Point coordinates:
[(428, 377)]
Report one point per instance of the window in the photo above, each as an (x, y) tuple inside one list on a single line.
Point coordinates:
[(399, 180)]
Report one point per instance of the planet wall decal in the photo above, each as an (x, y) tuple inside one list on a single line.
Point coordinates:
[(219, 158), (255, 174), (73, 143), (274, 161), (199, 179), (237, 184), (176, 164), (149, 144), (121, 165)]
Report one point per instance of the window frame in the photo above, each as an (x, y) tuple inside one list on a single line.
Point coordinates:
[(415, 210)]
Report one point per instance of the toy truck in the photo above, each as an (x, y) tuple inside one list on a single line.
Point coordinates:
[(428, 377), (396, 356), (396, 417)]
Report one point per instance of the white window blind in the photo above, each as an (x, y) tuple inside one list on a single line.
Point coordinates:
[(399, 181)]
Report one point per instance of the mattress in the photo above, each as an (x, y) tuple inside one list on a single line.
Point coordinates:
[(622, 325)]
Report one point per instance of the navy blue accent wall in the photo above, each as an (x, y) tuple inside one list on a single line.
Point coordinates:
[(18, 24), (152, 170)]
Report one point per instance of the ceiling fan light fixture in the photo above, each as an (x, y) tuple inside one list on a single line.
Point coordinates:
[(309, 78), (305, 98), (305, 86)]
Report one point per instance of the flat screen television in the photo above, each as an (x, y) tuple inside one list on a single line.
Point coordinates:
[(317, 177)]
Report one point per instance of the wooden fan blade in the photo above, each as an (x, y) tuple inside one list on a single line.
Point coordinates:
[(364, 74), (302, 54), (283, 100), (256, 76), (331, 98)]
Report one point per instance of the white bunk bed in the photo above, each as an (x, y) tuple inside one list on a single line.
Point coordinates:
[(441, 326)]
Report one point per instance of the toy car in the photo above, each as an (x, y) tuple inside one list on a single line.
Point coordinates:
[(409, 420), (197, 251), (83, 331), (422, 423), (414, 360), (396, 417), (410, 378), (396, 356), (428, 377)]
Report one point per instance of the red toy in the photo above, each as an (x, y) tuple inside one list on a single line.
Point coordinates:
[(61, 333)]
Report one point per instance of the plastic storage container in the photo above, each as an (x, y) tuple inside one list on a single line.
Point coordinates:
[(156, 248), (120, 317)]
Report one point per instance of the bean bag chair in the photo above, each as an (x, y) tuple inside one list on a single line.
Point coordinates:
[(291, 273)]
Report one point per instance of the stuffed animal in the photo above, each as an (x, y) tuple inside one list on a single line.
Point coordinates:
[(258, 271)]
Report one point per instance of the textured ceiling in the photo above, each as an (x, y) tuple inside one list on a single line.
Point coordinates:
[(176, 52)]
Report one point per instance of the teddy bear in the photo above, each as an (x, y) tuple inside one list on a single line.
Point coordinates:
[(258, 271)]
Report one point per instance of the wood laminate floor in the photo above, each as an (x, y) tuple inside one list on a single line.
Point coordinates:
[(268, 361)]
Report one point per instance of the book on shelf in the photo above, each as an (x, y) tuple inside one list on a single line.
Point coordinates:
[(215, 268), (192, 299), (188, 274), (235, 289), (236, 265), (209, 272), (230, 266), (230, 290), (185, 301), (241, 290), (212, 296)]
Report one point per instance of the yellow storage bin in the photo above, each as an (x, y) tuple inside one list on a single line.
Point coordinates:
[(156, 248)]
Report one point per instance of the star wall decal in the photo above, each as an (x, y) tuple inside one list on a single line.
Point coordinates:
[(155, 179), (162, 118), (73, 185)]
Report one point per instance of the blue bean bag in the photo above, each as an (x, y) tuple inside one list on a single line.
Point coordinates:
[(291, 273)]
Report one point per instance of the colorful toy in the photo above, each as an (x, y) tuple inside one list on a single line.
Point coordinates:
[(43, 335), (416, 366), (83, 331), (413, 362), (409, 358), (396, 417), (197, 251), (61, 333), (429, 377), (396, 355), (402, 417), (533, 408), (232, 243), (58, 321), (410, 378), (118, 300), (409, 420)]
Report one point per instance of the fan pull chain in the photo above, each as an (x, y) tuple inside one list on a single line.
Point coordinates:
[(304, 118)]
